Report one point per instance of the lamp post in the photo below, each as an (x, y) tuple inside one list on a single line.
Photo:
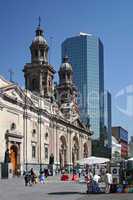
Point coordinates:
[(73, 159)]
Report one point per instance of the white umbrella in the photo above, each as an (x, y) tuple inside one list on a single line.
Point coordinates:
[(93, 160), (130, 159)]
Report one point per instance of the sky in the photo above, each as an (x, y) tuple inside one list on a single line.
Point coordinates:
[(111, 20)]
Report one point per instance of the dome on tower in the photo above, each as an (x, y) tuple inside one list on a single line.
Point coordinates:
[(66, 66), (39, 38), (39, 47)]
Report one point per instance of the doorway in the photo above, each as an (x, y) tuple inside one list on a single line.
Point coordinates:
[(13, 158)]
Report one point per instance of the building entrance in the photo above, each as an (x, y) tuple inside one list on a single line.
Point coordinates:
[(14, 158)]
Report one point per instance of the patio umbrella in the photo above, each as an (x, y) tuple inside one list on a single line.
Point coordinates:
[(93, 160), (130, 159)]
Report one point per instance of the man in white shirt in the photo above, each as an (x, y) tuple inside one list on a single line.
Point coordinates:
[(108, 182), (96, 178)]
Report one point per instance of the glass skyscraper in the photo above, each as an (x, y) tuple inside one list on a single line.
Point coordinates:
[(107, 119), (85, 53)]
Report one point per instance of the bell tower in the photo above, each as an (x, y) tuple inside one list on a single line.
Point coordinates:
[(39, 73), (67, 91)]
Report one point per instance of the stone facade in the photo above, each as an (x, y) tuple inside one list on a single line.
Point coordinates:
[(34, 126)]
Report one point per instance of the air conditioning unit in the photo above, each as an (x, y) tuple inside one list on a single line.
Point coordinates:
[(115, 171)]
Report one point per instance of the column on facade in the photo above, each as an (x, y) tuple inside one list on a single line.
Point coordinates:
[(25, 142), (51, 139), (21, 155), (57, 144), (41, 133), (89, 147), (81, 146), (41, 87), (69, 152), (28, 140)]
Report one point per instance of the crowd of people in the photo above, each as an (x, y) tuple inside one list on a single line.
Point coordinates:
[(96, 181), (31, 178)]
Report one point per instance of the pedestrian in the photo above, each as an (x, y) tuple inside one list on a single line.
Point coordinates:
[(79, 172), (96, 178), (27, 178), (46, 172), (89, 180), (42, 178), (108, 181), (33, 176)]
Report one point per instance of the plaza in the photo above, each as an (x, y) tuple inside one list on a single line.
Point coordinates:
[(53, 189)]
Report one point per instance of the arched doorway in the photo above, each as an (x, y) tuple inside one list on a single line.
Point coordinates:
[(63, 152), (13, 158), (85, 150), (75, 150)]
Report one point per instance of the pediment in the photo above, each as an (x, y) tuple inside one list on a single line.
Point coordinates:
[(4, 83), (79, 124), (14, 92)]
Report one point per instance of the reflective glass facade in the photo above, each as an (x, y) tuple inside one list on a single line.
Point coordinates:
[(85, 53), (108, 118)]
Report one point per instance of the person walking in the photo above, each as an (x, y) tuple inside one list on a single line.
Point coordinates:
[(79, 172), (96, 178), (89, 181), (33, 176), (108, 182)]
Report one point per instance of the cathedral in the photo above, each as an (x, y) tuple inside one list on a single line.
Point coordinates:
[(40, 125)]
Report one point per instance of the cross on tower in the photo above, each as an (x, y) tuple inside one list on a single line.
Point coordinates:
[(39, 19)]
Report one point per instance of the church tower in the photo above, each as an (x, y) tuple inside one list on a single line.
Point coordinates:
[(39, 73), (67, 91)]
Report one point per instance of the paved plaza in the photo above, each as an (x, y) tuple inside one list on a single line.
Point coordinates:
[(14, 189)]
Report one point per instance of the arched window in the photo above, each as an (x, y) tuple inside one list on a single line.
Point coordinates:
[(68, 76), (34, 84), (46, 136), (33, 150), (42, 53), (33, 132), (46, 151), (36, 53)]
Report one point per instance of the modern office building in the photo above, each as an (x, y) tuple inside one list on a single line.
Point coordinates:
[(130, 147), (85, 53), (107, 119), (121, 136)]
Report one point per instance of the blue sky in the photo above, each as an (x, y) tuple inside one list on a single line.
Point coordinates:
[(111, 20)]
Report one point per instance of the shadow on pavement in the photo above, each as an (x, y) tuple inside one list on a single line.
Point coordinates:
[(65, 193)]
